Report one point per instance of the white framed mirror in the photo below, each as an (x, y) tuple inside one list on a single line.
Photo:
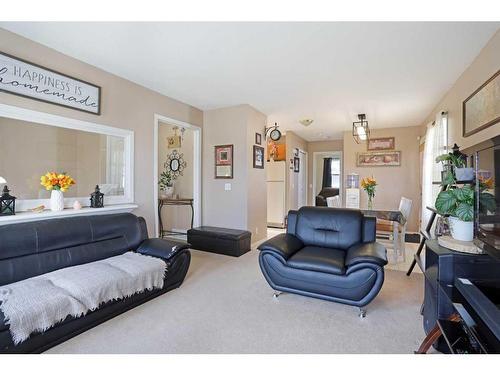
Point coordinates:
[(34, 143)]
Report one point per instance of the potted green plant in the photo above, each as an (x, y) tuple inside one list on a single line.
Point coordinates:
[(455, 163), (458, 204), (166, 185)]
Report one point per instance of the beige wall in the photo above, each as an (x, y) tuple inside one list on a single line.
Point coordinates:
[(319, 146), (177, 217), (481, 69), (245, 205), (393, 182), (124, 105)]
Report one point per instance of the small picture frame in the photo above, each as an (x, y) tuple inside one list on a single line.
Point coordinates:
[(224, 161), (296, 165), (379, 144), (258, 157), (258, 138), (174, 141)]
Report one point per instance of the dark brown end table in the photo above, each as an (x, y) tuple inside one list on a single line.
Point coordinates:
[(173, 202)]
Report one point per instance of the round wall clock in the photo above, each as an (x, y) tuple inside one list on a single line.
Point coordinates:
[(275, 134)]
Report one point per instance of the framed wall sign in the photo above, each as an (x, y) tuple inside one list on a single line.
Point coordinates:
[(482, 108), (386, 143), (378, 159), (258, 157), (224, 161), (22, 78)]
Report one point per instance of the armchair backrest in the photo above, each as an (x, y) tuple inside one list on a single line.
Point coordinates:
[(331, 227)]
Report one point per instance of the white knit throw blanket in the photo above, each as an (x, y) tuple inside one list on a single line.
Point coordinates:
[(38, 303)]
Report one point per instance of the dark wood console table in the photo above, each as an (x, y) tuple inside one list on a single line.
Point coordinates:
[(173, 202)]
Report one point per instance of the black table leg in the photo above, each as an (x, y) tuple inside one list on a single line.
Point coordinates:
[(160, 205)]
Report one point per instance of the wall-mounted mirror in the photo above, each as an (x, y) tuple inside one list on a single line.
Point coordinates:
[(90, 153)]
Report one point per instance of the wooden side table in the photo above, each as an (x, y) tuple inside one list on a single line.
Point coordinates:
[(173, 202)]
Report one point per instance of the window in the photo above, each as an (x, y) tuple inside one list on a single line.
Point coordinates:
[(335, 168), (436, 143)]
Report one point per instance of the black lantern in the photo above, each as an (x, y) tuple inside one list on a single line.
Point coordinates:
[(97, 198), (360, 129), (7, 203)]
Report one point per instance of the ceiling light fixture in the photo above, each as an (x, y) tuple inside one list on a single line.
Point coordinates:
[(306, 122), (360, 129)]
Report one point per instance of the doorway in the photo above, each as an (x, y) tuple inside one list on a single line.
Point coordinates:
[(173, 138), (336, 170)]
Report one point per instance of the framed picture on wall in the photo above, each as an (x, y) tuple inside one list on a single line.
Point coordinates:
[(386, 143), (378, 159), (258, 138), (296, 165), (482, 108), (258, 157), (224, 161)]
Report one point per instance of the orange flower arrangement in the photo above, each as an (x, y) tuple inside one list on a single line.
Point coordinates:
[(368, 184), (56, 181)]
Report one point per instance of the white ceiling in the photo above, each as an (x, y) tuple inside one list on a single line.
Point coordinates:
[(394, 72)]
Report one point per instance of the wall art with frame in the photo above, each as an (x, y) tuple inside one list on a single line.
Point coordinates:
[(224, 161)]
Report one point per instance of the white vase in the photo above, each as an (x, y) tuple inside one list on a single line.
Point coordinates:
[(461, 230), (169, 191), (56, 200)]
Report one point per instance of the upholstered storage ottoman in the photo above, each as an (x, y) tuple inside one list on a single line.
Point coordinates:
[(225, 241)]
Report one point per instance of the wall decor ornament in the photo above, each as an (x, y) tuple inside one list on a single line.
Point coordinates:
[(224, 161), (378, 159), (482, 108), (296, 164), (258, 157), (175, 164), (377, 144), (23, 78), (175, 140)]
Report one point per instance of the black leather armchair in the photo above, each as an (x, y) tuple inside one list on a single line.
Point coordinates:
[(327, 253), (325, 193)]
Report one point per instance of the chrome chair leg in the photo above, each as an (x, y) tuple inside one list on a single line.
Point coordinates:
[(362, 312), (276, 294)]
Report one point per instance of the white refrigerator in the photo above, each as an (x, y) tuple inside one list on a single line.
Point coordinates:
[(276, 171)]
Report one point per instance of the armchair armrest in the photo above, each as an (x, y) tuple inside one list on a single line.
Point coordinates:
[(371, 252), (283, 244), (160, 248)]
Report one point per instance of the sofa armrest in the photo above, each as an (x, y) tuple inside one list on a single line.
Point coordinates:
[(371, 252), (160, 248), (283, 244)]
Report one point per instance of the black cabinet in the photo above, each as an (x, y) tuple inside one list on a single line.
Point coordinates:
[(442, 266)]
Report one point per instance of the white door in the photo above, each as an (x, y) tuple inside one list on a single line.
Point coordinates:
[(302, 180)]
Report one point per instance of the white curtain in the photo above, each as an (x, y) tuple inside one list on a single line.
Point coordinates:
[(436, 143)]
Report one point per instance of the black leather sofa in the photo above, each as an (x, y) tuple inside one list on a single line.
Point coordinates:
[(31, 249), (327, 253), (323, 194)]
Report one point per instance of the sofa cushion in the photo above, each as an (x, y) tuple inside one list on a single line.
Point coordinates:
[(321, 259), (329, 227)]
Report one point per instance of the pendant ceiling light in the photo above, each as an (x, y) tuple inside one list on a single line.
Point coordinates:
[(360, 129)]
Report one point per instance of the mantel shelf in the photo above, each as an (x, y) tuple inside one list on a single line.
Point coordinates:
[(26, 216)]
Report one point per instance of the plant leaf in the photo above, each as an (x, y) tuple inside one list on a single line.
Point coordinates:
[(487, 202), (448, 178), (446, 202), (464, 212)]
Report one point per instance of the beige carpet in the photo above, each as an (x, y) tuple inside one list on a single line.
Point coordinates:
[(226, 306)]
